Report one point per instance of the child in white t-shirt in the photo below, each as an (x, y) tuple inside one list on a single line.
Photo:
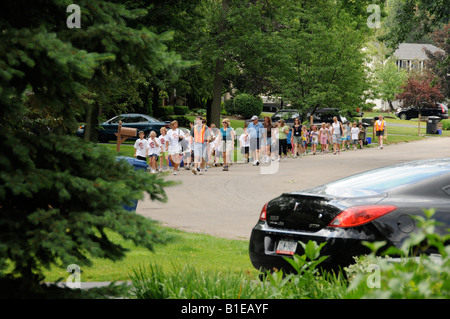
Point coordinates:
[(217, 150), (175, 136), (244, 144), (154, 150), (164, 154), (141, 147), (186, 148), (355, 134)]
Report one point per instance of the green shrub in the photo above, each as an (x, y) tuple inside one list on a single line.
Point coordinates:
[(58, 201), (165, 111), (411, 276), (247, 105), (183, 121), (187, 282), (446, 125), (200, 112), (419, 277), (180, 110), (229, 106)]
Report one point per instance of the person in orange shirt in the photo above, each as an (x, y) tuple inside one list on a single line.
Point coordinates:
[(380, 130), (202, 137)]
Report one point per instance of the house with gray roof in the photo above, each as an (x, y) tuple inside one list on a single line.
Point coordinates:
[(408, 56), (411, 56)]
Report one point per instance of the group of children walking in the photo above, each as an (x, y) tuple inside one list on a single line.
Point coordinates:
[(352, 136), (195, 148), (203, 146)]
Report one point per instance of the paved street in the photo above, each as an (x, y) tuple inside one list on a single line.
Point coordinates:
[(228, 204)]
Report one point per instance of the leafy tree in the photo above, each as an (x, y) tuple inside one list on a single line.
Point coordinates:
[(388, 79), (320, 58), (439, 62), (184, 19), (414, 18), (58, 193), (420, 92), (234, 50), (118, 94)]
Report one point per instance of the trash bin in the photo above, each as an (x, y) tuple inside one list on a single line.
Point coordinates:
[(432, 124), (367, 121), (366, 140), (138, 165)]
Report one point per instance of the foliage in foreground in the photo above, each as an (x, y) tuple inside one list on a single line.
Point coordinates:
[(414, 275), (59, 195), (420, 277), (186, 282)]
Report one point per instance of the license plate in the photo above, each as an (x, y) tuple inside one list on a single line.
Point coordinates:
[(286, 247)]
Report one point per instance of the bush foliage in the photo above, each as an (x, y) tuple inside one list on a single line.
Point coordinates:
[(418, 277), (446, 125), (245, 105), (58, 193), (58, 196)]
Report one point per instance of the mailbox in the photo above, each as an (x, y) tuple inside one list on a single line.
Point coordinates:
[(123, 133), (128, 131)]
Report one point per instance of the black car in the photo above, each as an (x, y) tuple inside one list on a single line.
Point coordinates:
[(141, 122), (288, 115), (376, 205), (408, 113), (324, 115)]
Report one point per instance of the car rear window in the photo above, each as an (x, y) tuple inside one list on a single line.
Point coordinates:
[(382, 180)]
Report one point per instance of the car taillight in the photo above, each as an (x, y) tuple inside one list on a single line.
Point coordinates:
[(360, 215), (263, 215)]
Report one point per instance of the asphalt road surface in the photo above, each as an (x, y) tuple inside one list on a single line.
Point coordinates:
[(228, 204)]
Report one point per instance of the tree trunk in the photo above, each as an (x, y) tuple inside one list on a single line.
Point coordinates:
[(90, 128), (420, 115), (208, 111), (214, 115), (155, 102), (391, 106), (217, 95), (146, 100)]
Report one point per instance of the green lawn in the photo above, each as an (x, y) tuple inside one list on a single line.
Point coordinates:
[(204, 252), (398, 134)]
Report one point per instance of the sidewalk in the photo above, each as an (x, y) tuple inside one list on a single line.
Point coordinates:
[(89, 285)]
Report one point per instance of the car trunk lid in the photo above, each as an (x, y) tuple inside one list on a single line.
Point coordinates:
[(308, 212), (302, 212)]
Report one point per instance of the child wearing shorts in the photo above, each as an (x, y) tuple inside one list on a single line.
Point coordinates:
[(154, 150), (355, 135)]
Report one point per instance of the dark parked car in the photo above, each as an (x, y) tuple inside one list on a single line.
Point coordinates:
[(408, 113), (141, 122), (288, 115), (326, 115), (320, 115), (376, 205)]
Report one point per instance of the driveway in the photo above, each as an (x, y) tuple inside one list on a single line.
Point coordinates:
[(228, 204)]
